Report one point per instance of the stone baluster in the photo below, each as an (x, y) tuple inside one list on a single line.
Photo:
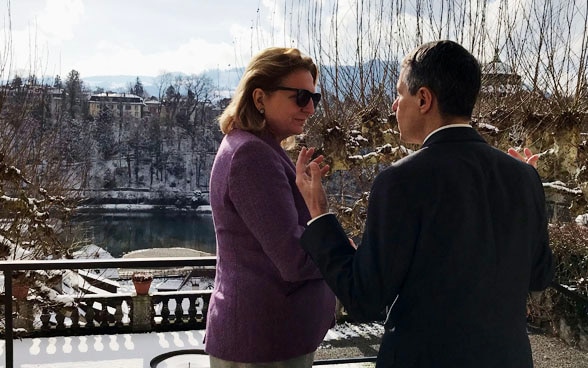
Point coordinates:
[(118, 314), (103, 314), (90, 317), (179, 311), (45, 317), (75, 318), (60, 319), (165, 313), (199, 302), (192, 310)]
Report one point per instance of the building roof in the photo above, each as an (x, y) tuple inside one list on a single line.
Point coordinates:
[(116, 97), (496, 66)]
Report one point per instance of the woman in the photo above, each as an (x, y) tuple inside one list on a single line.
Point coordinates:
[(270, 305)]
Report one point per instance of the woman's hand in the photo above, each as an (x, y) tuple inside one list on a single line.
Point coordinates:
[(308, 180)]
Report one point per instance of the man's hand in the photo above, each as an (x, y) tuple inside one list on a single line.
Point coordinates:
[(529, 158), (308, 180)]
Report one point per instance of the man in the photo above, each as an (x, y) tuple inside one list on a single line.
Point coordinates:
[(456, 233)]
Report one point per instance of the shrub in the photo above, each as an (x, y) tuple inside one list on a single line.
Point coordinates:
[(563, 309)]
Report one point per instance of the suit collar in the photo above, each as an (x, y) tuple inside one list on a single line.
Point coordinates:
[(446, 127), (453, 133)]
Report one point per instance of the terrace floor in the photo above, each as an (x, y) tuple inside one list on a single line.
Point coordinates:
[(137, 350)]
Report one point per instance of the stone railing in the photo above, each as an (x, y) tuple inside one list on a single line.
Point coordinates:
[(91, 314), (122, 313)]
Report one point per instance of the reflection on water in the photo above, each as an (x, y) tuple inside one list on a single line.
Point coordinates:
[(120, 233)]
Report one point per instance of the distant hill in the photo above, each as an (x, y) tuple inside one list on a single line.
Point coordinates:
[(225, 81)]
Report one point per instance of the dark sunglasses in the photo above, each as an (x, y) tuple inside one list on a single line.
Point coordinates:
[(303, 96)]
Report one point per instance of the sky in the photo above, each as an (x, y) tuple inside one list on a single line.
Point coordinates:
[(130, 37), (151, 37)]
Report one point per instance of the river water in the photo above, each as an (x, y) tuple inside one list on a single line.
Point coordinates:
[(120, 233)]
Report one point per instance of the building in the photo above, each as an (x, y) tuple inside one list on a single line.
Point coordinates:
[(153, 107), (499, 79), (121, 104), (47, 98)]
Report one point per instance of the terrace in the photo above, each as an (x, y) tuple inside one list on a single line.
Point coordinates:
[(129, 330)]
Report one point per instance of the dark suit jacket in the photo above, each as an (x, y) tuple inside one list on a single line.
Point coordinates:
[(455, 238)]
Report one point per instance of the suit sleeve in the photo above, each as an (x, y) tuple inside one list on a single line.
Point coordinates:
[(368, 280), (263, 196), (543, 267)]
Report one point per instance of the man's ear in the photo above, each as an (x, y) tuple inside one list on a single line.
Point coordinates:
[(258, 95), (425, 96)]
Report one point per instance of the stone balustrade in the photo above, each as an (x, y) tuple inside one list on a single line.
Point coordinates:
[(118, 313)]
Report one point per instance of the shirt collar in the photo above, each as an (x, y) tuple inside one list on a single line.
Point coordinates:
[(446, 127)]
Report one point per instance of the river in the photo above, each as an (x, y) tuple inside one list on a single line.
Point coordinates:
[(120, 233)]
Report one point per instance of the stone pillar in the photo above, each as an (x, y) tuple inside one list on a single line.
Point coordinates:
[(142, 313), (24, 314)]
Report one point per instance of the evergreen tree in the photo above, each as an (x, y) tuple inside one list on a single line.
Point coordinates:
[(73, 87), (104, 133), (138, 88)]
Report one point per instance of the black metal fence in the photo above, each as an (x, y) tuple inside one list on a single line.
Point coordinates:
[(9, 267)]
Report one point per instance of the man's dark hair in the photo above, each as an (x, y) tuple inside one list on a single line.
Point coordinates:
[(450, 71)]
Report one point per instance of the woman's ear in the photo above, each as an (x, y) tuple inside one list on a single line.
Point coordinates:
[(258, 96)]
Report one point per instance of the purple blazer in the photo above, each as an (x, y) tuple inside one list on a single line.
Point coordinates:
[(270, 301)]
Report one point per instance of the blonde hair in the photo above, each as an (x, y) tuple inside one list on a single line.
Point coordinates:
[(266, 71)]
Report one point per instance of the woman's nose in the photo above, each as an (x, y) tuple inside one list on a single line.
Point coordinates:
[(309, 108)]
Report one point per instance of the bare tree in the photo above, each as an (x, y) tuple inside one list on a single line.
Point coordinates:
[(541, 45), (38, 184)]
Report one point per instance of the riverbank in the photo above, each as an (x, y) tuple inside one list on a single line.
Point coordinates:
[(169, 197), (126, 208)]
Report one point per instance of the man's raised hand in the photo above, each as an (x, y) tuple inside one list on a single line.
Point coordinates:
[(529, 158)]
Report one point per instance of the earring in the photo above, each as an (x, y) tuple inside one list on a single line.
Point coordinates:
[(262, 111)]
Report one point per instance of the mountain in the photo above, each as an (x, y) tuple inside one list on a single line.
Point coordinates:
[(120, 83), (225, 81)]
